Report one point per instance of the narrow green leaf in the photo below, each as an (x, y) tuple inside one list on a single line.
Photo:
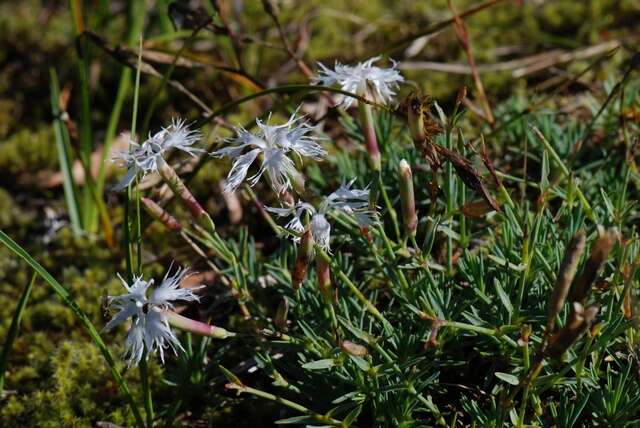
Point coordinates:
[(544, 171), (502, 295), (296, 420), (63, 147), (230, 376), (14, 327), (509, 378), (361, 363), (319, 364)]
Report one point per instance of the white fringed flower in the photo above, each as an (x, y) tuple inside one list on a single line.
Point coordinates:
[(144, 158), (274, 142), (149, 326), (364, 79), (351, 201)]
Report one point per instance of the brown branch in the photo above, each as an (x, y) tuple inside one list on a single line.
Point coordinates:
[(463, 38), (271, 10), (435, 28)]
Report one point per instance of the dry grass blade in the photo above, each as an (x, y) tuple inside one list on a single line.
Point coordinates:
[(463, 38), (126, 58), (436, 27), (598, 256), (566, 273), (468, 174), (579, 320)]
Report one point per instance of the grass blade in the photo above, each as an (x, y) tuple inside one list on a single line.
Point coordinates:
[(66, 297), (64, 155), (13, 328), (89, 217), (136, 17)]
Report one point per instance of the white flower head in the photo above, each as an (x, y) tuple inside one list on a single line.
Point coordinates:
[(364, 79), (274, 142), (149, 326), (354, 202), (145, 157)]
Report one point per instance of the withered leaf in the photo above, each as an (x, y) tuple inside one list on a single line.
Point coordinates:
[(475, 209), (468, 174)]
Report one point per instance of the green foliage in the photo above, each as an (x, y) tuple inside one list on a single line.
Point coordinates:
[(444, 330)]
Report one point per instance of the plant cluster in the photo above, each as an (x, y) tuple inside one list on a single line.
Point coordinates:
[(384, 260)]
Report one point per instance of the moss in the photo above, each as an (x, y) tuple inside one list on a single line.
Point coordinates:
[(10, 212), (28, 152), (79, 393)]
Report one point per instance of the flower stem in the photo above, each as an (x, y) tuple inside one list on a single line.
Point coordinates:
[(366, 302), (146, 389), (288, 403), (370, 139), (387, 202)]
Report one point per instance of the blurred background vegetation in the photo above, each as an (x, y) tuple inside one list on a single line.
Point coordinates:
[(54, 377)]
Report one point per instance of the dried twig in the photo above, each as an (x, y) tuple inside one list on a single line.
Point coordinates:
[(463, 38), (520, 67)]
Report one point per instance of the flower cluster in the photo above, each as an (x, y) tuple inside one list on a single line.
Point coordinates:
[(148, 156), (278, 146), (351, 201), (365, 79), (149, 325), (274, 143)]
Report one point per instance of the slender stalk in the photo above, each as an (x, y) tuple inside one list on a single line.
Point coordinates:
[(389, 206), (146, 389), (369, 133), (566, 173), (450, 186), (14, 328), (288, 89), (288, 403), (65, 159), (137, 238), (136, 19), (354, 289)]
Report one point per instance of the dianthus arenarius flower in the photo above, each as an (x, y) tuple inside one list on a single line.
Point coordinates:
[(148, 156), (364, 79), (351, 201), (149, 324), (274, 142)]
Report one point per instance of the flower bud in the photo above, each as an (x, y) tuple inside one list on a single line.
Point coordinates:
[(565, 276), (305, 249), (159, 213), (370, 139), (323, 271), (579, 320), (354, 349), (179, 189), (415, 111), (196, 327), (297, 181), (407, 198), (462, 94), (599, 254), (281, 314)]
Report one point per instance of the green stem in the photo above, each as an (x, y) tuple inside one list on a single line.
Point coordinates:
[(136, 18), (287, 89), (288, 403), (146, 388), (14, 328), (356, 292), (387, 202), (566, 173)]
